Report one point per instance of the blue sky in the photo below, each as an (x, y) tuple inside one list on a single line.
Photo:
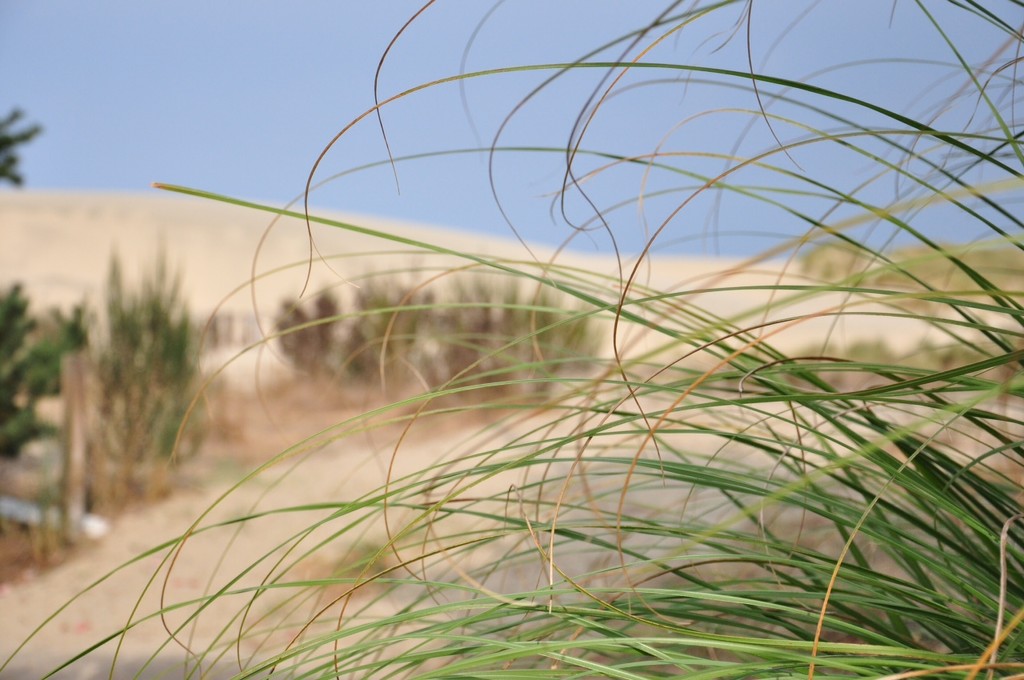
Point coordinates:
[(239, 97)]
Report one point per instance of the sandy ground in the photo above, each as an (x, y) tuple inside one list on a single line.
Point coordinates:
[(103, 586), (106, 583), (58, 245)]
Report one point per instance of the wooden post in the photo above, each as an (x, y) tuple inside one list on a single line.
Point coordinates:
[(72, 510)]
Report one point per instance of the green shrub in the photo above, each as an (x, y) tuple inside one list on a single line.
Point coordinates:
[(30, 363), (147, 373)]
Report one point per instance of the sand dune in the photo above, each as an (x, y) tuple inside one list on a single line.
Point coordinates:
[(59, 246)]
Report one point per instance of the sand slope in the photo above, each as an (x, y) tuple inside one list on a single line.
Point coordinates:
[(59, 246)]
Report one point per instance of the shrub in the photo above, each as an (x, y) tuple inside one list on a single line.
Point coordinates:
[(147, 373), (309, 337), (475, 330), (30, 363)]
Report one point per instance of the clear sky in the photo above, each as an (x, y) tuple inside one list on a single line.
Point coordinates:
[(240, 96)]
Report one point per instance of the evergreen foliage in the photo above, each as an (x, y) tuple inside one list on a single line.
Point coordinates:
[(10, 140), (31, 350)]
